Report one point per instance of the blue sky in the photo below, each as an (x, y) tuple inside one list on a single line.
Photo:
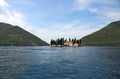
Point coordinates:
[(52, 19)]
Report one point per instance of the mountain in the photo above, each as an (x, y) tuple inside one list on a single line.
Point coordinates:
[(16, 36), (109, 35)]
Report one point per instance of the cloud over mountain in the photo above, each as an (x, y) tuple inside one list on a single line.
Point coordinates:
[(59, 18)]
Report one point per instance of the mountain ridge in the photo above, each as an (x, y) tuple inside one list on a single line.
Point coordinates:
[(16, 36), (108, 35)]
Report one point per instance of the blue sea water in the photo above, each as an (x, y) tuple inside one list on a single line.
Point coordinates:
[(59, 62)]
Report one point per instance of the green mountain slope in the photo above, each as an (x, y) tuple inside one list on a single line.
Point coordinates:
[(14, 35), (109, 35)]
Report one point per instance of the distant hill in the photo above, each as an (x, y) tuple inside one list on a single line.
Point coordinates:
[(109, 35), (16, 36)]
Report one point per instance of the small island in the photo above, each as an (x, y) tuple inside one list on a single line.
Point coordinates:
[(65, 42)]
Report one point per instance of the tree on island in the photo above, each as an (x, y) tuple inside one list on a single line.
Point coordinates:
[(53, 42), (74, 41), (62, 41), (79, 41)]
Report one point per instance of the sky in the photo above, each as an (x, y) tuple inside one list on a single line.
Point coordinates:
[(52, 19)]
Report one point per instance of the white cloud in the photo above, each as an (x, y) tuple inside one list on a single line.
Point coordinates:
[(12, 17), (4, 4), (113, 15), (108, 14), (82, 4), (93, 10), (105, 10), (25, 2), (72, 30)]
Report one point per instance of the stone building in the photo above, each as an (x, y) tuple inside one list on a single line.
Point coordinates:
[(70, 43)]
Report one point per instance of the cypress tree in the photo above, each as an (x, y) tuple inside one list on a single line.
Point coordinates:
[(62, 41)]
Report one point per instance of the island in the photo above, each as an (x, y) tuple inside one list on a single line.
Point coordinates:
[(65, 42)]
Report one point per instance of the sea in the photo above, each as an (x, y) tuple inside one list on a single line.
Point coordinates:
[(44, 62)]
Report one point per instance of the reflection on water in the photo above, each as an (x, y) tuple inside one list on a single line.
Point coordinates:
[(59, 63)]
